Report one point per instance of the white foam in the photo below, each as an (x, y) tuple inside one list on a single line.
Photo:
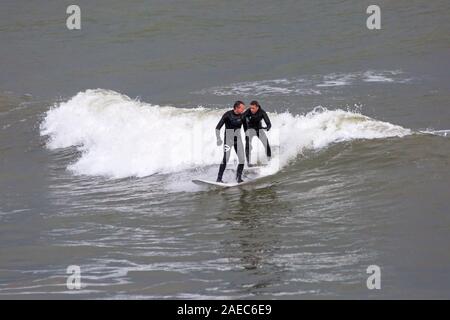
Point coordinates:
[(259, 88), (337, 79), (373, 76), (305, 85), (121, 137), (442, 133)]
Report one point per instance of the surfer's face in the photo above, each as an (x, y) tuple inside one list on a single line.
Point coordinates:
[(253, 108), (240, 109)]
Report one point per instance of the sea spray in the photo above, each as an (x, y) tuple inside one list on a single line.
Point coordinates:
[(121, 137)]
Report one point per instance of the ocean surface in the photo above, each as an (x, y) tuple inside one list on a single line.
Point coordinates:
[(102, 130)]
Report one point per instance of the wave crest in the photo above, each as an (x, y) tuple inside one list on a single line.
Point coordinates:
[(121, 137)]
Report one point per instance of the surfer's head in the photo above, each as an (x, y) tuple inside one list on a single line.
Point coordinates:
[(254, 106), (238, 107)]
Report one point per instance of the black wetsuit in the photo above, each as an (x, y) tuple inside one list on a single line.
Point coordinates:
[(252, 126), (233, 123)]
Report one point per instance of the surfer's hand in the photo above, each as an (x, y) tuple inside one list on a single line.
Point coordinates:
[(219, 142)]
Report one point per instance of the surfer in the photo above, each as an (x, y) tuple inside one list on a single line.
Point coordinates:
[(233, 122), (252, 127)]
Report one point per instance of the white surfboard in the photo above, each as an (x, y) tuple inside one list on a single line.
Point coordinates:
[(218, 184), (252, 168)]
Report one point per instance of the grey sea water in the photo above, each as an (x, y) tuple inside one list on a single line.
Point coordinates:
[(79, 185)]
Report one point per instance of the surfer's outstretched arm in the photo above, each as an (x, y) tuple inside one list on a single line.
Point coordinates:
[(267, 120), (218, 127)]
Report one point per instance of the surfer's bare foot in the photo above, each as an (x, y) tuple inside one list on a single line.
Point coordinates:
[(239, 180), (219, 181)]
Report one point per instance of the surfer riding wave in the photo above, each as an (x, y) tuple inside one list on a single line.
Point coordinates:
[(233, 121)]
